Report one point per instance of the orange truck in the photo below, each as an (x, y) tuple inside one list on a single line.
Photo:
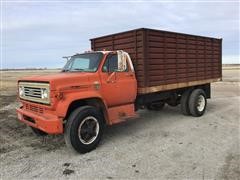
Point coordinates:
[(124, 72)]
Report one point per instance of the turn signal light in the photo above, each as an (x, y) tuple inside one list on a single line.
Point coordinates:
[(59, 95)]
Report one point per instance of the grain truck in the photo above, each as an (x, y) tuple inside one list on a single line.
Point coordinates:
[(124, 72)]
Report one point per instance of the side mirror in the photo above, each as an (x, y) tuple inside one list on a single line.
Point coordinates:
[(122, 62)]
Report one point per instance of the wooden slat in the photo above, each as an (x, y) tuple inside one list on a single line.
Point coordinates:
[(165, 87)]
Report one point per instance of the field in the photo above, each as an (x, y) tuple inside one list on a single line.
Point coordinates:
[(160, 145)]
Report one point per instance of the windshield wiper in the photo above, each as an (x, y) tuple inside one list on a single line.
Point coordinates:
[(75, 69), (78, 69)]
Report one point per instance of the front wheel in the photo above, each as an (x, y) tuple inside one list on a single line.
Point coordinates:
[(84, 129)]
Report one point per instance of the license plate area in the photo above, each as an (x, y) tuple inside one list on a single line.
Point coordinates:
[(27, 118)]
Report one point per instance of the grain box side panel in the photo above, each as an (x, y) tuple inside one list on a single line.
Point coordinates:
[(177, 58), (164, 60)]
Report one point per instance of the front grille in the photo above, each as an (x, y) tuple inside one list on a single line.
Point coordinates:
[(32, 92), (33, 108)]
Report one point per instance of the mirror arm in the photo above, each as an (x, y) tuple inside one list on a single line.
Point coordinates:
[(108, 68), (110, 79)]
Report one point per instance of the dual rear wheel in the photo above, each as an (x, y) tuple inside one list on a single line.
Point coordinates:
[(193, 102)]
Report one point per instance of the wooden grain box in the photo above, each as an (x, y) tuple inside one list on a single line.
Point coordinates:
[(167, 60)]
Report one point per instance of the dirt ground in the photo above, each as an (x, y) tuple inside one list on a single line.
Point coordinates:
[(159, 145)]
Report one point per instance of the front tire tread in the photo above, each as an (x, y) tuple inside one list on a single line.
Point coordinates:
[(74, 120)]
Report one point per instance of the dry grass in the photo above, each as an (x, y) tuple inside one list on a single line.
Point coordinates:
[(230, 66), (9, 79)]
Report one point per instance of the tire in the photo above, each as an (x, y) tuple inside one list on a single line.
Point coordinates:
[(155, 106), (184, 101), (38, 132), (197, 102), (79, 134)]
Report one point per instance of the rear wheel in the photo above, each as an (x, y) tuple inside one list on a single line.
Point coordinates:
[(39, 132), (197, 102), (185, 102), (84, 129)]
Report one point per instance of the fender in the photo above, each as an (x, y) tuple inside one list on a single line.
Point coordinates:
[(69, 97)]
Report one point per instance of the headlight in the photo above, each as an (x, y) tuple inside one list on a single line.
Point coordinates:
[(21, 91), (44, 93)]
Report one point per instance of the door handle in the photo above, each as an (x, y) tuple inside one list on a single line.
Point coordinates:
[(111, 81)]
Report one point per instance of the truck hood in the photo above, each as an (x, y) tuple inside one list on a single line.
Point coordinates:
[(62, 79)]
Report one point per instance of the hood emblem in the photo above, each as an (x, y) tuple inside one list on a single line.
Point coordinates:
[(31, 92)]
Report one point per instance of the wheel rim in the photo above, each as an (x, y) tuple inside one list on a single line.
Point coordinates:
[(201, 103), (88, 130)]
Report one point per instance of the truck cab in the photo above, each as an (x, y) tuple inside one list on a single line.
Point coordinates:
[(94, 89)]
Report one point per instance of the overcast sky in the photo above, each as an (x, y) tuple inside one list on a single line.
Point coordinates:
[(38, 34)]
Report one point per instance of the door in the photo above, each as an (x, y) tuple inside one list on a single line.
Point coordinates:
[(118, 80)]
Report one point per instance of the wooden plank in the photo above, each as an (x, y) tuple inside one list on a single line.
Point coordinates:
[(165, 87)]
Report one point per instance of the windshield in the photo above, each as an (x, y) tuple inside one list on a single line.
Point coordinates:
[(88, 62)]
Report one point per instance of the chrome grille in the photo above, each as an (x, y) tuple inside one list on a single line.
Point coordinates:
[(32, 92)]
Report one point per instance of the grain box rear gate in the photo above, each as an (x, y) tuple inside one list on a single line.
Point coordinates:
[(167, 60)]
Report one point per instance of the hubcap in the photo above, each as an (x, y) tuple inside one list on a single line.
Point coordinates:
[(201, 103), (88, 130)]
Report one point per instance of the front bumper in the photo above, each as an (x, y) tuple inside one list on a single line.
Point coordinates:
[(48, 123)]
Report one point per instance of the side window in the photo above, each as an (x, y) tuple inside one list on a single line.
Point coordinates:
[(112, 65)]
